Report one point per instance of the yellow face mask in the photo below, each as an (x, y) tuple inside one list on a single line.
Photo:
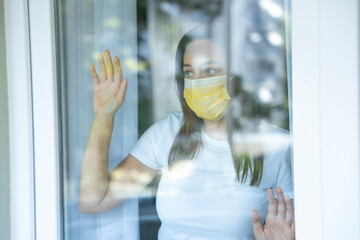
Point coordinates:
[(207, 97)]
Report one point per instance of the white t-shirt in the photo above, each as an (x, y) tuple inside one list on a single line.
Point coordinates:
[(200, 199)]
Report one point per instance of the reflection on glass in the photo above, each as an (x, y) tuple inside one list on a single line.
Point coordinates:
[(192, 95)]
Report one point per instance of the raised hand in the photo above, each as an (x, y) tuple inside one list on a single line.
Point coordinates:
[(279, 223), (109, 94)]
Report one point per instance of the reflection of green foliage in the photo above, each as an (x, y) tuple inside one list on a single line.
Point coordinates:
[(144, 92), (144, 116), (284, 122), (252, 108)]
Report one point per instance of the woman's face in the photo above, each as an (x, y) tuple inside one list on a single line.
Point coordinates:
[(203, 59)]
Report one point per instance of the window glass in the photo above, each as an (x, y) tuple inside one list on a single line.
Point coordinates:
[(187, 142)]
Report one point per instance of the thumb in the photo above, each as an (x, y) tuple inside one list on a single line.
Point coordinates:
[(257, 228)]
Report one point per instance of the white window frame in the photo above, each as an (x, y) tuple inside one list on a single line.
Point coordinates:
[(33, 119), (45, 119), (325, 57), (326, 118), (20, 120)]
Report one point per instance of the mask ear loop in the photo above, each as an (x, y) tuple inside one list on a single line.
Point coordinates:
[(229, 85)]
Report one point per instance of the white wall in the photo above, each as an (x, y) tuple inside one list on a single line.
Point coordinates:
[(4, 138)]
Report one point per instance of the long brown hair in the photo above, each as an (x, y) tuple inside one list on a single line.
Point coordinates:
[(188, 141)]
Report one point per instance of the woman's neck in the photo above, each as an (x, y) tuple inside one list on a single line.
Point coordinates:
[(216, 129)]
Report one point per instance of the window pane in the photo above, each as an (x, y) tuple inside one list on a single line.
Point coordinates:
[(205, 118)]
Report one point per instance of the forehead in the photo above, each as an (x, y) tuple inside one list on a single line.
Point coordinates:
[(203, 51)]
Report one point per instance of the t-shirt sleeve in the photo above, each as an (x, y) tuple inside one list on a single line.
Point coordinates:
[(284, 178), (146, 149), (278, 163)]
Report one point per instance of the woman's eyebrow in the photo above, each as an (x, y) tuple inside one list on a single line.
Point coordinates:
[(211, 62), (204, 64)]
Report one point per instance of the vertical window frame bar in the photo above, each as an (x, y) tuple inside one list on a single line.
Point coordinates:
[(20, 119), (45, 119), (325, 34)]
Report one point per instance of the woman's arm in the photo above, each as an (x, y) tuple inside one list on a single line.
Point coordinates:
[(125, 181), (99, 190)]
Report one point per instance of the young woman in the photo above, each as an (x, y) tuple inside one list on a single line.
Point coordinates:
[(206, 191)]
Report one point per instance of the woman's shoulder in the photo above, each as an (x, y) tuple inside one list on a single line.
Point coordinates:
[(154, 145), (174, 116), (171, 120), (167, 125), (274, 137), (277, 169)]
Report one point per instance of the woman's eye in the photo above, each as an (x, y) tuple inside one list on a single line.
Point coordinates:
[(211, 71), (188, 73)]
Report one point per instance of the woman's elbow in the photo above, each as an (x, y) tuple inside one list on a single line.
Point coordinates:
[(91, 208), (87, 208)]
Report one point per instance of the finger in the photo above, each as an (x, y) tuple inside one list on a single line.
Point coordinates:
[(272, 208), (94, 75), (292, 227), (289, 210), (122, 91), (109, 66), (102, 67), (257, 228), (118, 70), (281, 203)]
